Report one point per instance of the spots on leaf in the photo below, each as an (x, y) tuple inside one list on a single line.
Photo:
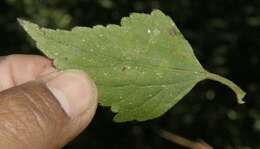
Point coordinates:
[(66, 58), (173, 31), (124, 68)]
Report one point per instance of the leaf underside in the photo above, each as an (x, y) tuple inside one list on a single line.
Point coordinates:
[(142, 68)]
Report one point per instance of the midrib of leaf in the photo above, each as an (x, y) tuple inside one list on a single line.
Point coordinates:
[(149, 85)]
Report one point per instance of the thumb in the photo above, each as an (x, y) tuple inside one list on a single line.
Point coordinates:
[(47, 113)]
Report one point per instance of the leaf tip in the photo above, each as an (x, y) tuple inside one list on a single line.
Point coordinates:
[(22, 22), (27, 24)]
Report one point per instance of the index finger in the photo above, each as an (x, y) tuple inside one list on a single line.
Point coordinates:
[(18, 69)]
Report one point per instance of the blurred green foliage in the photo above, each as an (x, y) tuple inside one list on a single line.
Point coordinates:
[(225, 36)]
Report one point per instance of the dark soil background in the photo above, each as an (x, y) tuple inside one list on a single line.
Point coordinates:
[(225, 35)]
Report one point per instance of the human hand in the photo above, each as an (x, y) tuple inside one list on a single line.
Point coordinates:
[(40, 107)]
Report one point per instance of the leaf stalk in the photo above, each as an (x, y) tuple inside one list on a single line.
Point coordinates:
[(240, 94)]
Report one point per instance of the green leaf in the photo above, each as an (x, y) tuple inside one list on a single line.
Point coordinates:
[(142, 68)]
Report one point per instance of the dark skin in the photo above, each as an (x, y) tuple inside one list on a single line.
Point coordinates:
[(39, 104)]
